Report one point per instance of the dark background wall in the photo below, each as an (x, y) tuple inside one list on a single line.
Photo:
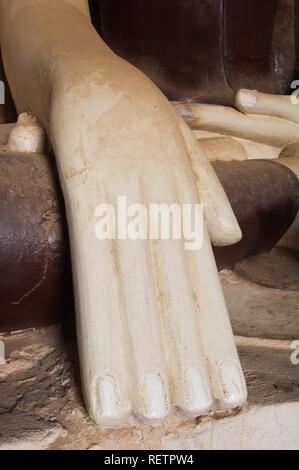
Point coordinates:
[(203, 50), (200, 50)]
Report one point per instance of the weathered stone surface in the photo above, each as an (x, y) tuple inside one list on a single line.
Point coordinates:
[(278, 269), (258, 311), (41, 405)]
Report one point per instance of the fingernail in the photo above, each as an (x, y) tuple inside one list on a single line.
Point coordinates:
[(232, 384), (247, 98), (154, 397), (109, 397), (198, 396), (184, 112)]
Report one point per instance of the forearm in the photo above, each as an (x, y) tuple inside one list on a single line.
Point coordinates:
[(40, 40), (95, 106)]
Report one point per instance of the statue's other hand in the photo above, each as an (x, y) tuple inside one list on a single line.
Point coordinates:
[(266, 125)]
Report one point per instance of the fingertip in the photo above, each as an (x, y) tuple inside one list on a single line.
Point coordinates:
[(154, 398), (225, 232), (246, 99), (233, 387), (107, 408), (198, 398)]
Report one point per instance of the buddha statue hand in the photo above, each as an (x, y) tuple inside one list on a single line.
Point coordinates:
[(152, 325), (266, 126)]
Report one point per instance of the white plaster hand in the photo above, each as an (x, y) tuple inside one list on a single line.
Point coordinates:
[(153, 328), (152, 325)]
